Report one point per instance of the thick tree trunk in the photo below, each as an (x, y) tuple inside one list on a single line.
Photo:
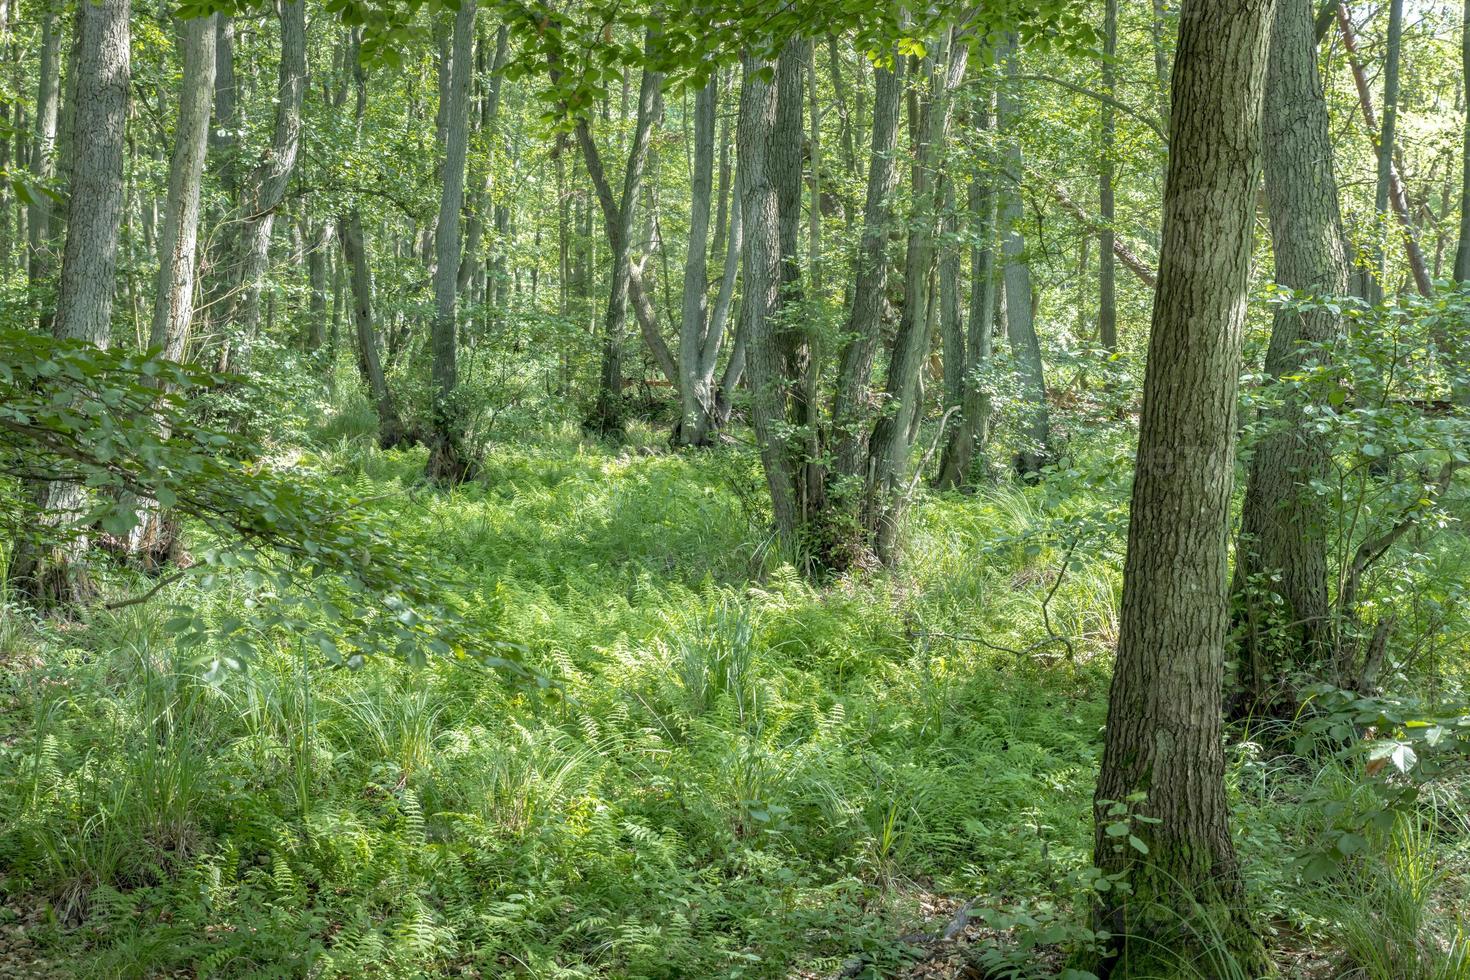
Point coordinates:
[(851, 405), (1164, 732), (448, 459), (1107, 304), (391, 432), (1283, 543), (264, 190), (761, 263), (1035, 432), (49, 572)]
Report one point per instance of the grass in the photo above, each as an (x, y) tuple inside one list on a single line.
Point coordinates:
[(735, 774)]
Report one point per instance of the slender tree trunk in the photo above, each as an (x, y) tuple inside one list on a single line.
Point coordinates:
[(391, 431), (891, 445), (696, 387), (50, 573), (1396, 197), (317, 255), (264, 190), (39, 228), (1107, 305), (469, 267), (967, 433), (1164, 733), (1387, 137), (1283, 543), (851, 405), (607, 414), (448, 460), (1462, 252), (1159, 28), (1020, 319)]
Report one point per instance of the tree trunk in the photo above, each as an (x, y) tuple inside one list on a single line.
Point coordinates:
[(967, 433), (607, 413), (851, 405), (761, 290), (316, 272), (50, 572), (1462, 253), (891, 444), (696, 386), (1284, 521), (39, 228), (1107, 304), (391, 432), (1035, 432), (1163, 734), (264, 190), (1386, 140), (448, 460)]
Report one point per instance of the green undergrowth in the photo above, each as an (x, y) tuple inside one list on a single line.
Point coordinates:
[(728, 772)]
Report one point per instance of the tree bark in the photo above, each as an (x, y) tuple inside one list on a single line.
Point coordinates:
[(851, 404), (1107, 304), (761, 264), (50, 572), (1462, 252), (891, 445), (263, 191), (696, 386), (1035, 450), (968, 433), (1387, 137), (39, 230), (1284, 521), (1163, 734), (448, 460), (391, 431)]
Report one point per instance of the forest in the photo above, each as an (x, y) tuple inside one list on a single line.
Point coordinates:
[(791, 489)]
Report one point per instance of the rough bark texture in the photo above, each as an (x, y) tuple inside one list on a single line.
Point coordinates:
[(448, 460), (761, 261), (1020, 319), (1283, 522), (851, 406), (1164, 730), (50, 572)]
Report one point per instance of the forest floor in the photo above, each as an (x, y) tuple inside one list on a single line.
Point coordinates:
[(736, 773)]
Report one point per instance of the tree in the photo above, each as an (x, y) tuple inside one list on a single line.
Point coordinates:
[(1283, 541), (50, 572), (449, 461), (1035, 450), (43, 151), (1107, 304), (1462, 253), (1163, 739), (263, 189), (1386, 140), (697, 417)]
